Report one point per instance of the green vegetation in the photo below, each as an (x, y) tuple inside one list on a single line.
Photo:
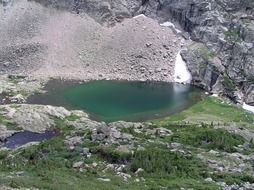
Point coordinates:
[(233, 35), (72, 117), (207, 57), (206, 54), (16, 78), (8, 123), (210, 110), (49, 165), (159, 162), (207, 137), (228, 83), (111, 155)]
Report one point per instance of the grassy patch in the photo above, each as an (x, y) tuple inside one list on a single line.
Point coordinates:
[(210, 110), (8, 123), (72, 117), (233, 178), (207, 137), (171, 170), (233, 35), (111, 155), (165, 163)]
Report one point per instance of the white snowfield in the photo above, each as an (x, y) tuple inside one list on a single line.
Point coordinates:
[(248, 107), (171, 25), (182, 74), (140, 15)]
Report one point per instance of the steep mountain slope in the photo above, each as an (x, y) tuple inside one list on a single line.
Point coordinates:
[(43, 42), (223, 64)]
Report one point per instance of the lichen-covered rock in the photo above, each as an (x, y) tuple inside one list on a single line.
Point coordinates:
[(34, 118), (109, 134), (5, 133)]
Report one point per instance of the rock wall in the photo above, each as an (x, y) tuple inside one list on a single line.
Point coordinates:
[(226, 27)]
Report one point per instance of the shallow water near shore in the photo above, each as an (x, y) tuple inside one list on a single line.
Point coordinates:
[(120, 100)]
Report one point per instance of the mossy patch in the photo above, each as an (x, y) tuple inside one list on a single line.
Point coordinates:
[(233, 35), (228, 83)]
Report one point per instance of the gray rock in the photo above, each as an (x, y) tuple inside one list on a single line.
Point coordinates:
[(110, 134), (163, 132), (139, 171), (71, 142), (34, 118), (86, 151), (125, 176), (175, 145), (104, 179), (79, 164)]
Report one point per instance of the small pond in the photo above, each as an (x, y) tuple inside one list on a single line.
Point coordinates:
[(120, 100), (22, 138)]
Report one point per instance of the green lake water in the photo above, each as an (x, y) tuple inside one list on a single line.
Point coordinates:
[(115, 100)]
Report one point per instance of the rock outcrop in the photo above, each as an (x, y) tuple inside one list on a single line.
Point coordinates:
[(225, 27)]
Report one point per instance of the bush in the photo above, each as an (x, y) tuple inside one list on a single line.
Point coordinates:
[(165, 163), (111, 155), (207, 137)]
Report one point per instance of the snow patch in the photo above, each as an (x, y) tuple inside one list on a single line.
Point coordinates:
[(141, 15), (248, 107), (182, 74), (171, 25)]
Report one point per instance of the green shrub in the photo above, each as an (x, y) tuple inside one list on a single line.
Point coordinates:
[(165, 163), (207, 137), (111, 155), (228, 83), (3, 154)]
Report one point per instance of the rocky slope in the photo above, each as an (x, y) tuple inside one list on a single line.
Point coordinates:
[(44, 42), (223, 65)]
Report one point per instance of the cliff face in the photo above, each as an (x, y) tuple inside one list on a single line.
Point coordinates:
[(225, 62), (222, 61)]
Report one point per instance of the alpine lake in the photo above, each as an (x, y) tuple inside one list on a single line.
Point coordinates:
[(111, 101)]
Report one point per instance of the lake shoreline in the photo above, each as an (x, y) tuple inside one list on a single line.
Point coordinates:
[(56, 88)]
